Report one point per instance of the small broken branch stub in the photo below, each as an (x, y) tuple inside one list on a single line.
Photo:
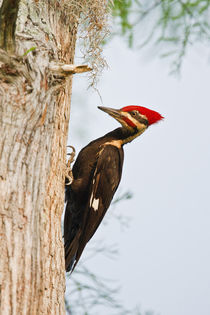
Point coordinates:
[(66, 69)]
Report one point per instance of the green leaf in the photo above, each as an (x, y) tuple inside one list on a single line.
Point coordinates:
[(29, 50)]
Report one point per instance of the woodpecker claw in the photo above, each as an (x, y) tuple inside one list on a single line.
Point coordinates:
[(69, 175)]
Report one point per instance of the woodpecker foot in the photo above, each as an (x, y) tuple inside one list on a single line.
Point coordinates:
[(69, 174)]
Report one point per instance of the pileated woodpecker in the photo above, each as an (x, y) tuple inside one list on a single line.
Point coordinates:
[(96, 176)]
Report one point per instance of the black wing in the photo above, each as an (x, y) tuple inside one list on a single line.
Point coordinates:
[(74, 216), (104, 182)]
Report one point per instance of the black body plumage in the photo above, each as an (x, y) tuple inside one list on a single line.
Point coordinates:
[(97, 173)]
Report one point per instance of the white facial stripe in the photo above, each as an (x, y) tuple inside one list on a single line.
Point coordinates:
[(139, 125), (135, 121), (127, 115), (143, 116)]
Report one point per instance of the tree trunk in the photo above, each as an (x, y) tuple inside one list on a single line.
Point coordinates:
[(34, 116)]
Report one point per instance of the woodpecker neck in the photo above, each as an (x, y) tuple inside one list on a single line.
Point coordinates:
[(124, 134), (132, 135)]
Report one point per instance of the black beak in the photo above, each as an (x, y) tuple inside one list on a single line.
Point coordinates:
[(116, 113)]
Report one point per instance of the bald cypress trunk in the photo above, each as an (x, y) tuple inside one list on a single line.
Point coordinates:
[(35, 35)]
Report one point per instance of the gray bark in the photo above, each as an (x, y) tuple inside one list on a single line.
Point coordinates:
[(34, 117)]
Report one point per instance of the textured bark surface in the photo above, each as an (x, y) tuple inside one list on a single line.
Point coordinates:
[(34, 115)]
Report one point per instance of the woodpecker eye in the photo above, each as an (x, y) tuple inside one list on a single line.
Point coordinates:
[(134, 113)]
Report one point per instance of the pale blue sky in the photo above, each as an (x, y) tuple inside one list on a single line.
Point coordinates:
[(164, 261)]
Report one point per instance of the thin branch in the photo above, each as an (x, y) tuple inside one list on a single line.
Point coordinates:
[(69, 68)]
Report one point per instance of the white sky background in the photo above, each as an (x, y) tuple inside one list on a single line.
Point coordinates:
[(164, 261)]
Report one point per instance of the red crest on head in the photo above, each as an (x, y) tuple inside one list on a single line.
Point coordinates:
[(151, 115)]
